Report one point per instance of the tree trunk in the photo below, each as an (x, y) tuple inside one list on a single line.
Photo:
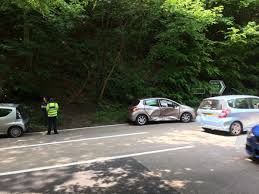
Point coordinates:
[(115, 64), (26, 31), (82, 88), (26, 41), (100, 67)]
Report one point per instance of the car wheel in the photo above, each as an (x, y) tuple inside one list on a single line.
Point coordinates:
[(236, 128), (186, 117), (15, 132), (141, 120)]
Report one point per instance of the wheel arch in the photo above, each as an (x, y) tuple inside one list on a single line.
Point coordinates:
[(148, 117), (13, 126), (184, 113), (139, 115), (237, 121)]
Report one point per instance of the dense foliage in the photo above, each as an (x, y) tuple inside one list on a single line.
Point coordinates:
[(118, 50)]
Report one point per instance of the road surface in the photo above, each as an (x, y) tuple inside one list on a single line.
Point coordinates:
[(156, 158)]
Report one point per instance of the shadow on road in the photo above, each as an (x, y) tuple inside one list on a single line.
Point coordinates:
[(3, 136), (255, 161), (157, 122), (215, 132), (220, 133), (118, 176)]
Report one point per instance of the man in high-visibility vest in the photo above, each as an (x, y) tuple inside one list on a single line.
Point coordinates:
[(52, 110)]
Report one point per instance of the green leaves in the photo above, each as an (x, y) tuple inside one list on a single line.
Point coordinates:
[(129, 48), (249, 33)]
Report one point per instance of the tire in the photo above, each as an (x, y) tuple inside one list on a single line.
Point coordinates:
[(15, 132), (236, 128), (186, 117), (141, 119)]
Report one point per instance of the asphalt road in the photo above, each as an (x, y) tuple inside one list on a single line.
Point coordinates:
[(157, 158)]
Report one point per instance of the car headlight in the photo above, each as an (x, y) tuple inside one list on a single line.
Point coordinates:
[(250, 133)]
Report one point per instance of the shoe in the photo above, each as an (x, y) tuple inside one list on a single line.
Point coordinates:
[(47, 133)]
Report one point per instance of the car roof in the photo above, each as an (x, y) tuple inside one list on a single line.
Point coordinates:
[(155, 98), (228, 97), (8, 105)]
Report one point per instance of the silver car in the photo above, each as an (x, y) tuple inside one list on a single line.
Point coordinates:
[(159, 109), (13, 120), (233, 113)]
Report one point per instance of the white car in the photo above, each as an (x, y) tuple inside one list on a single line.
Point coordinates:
[(13, 120)]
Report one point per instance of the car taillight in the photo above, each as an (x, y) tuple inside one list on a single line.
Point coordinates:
[(18, 115), (224, 113), (134, 109)]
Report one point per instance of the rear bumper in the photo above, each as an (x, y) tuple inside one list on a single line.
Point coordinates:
[(222, 124), (132, 117), (252, 147), (24, 124)]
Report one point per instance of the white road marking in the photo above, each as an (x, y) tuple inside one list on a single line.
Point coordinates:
[(70, 141), (95, 160), (79, 128)]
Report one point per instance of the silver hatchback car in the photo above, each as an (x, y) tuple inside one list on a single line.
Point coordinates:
[(159, 109), (13, 120), (233, 113)]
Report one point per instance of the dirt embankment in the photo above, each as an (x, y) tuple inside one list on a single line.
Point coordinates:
[(77, 115), (70, 115)]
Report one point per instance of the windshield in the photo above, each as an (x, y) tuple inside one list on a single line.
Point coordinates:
[(210, 105)]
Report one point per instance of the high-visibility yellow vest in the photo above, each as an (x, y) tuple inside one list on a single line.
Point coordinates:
[(52, 109)]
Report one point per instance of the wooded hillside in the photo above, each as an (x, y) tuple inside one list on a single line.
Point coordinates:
[(117, 50)]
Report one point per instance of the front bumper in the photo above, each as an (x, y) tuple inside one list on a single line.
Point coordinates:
[(252, 147)]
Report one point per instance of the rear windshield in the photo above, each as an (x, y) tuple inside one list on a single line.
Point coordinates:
[(210, 105), (22, 111), (135, 103)]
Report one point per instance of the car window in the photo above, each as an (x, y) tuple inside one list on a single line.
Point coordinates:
[(151, 102), (242, 103), (167, 103), (4, 112), (210, 104), (255, 103), (231, 103)]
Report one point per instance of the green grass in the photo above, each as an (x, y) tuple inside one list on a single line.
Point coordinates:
[(109, 115)]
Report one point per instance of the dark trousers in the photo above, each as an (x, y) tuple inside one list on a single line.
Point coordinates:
[(52, 124), (44, 117)]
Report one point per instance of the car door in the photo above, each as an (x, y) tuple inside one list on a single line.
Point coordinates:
[(169, 110), (4, 119), (243, 112), (152, 108)]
